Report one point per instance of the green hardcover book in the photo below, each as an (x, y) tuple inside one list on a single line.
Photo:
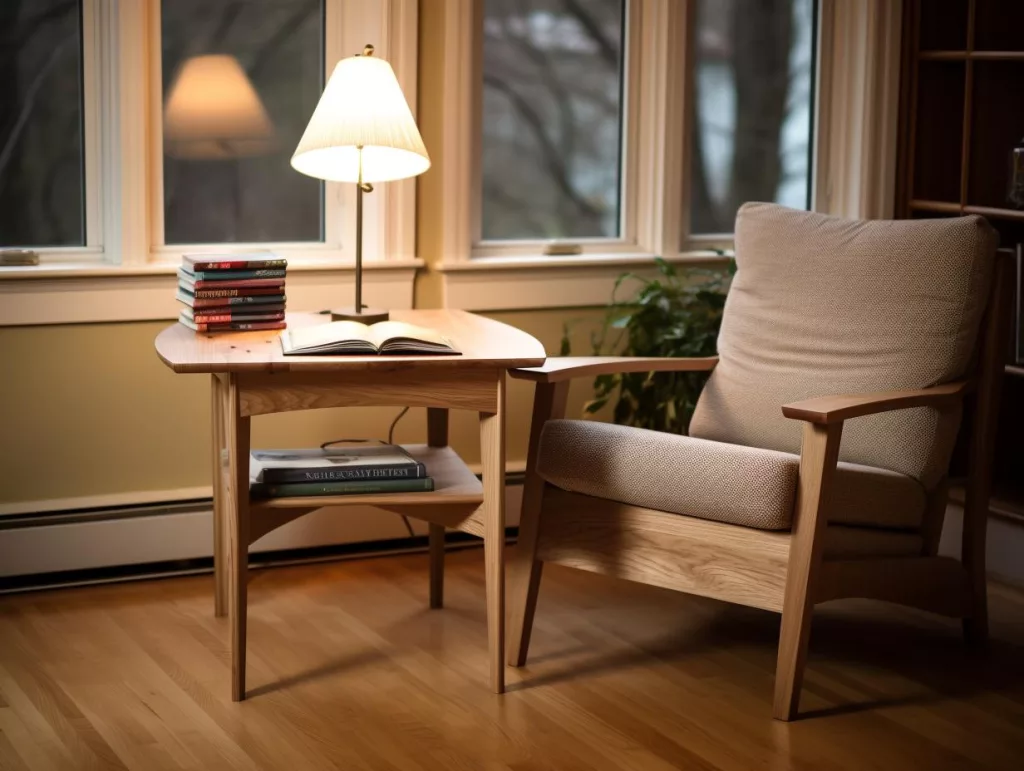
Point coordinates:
[(362, 487)]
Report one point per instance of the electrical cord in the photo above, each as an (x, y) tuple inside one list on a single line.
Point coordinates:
[(391, 433)]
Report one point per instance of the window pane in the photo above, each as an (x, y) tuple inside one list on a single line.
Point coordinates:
[(240, 81), (41, 160), (552, 118), (754, 91)]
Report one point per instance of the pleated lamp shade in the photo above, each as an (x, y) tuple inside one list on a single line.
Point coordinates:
[(213, 111), (362, 107)]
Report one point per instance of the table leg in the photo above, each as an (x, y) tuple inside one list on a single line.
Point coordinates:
[(237, 515), (437, 436), (220, 567), (492, 452)]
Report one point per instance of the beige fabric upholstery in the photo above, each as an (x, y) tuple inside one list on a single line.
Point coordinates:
[(713, 480), (821, 306)]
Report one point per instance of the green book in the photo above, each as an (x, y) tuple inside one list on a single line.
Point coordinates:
[(360, 487)]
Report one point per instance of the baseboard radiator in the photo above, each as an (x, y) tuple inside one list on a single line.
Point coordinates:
[(73, 548)]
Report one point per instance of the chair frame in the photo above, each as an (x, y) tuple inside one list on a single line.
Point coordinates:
[(784, 572)]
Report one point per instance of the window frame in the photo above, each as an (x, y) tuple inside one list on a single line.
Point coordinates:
[(857, 67), (124, 271)]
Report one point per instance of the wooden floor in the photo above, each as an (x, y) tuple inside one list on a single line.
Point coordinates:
[(348, 669)]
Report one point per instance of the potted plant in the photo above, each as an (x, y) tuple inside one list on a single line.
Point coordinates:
[(673, 314)]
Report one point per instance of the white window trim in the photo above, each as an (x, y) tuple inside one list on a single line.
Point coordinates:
[(124, 272), (854, 156)]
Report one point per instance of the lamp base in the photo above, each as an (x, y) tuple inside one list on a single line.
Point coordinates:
[(365, 316)]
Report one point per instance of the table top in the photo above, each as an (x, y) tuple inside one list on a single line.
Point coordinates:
[(484, 343)]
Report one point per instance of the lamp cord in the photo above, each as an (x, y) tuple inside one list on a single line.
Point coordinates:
[(391, 434)]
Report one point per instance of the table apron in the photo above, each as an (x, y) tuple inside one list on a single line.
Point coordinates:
[(469, 389)]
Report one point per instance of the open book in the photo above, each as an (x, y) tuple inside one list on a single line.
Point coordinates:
[(355, 338)]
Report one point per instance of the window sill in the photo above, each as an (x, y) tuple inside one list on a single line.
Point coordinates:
[(539, 281), (73, 293)]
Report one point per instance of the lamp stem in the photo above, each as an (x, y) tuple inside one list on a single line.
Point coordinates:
[(359, 235)]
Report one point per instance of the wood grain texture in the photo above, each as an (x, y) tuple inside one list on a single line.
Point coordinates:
[(560, 368), (549, 400), (218, 449), (711, 559), (484, 344), (819, 452), (352, 673), (468, 389), (937, 584), (836, 409), (978, 489), (437, 436), (237, 517), (492, 462)]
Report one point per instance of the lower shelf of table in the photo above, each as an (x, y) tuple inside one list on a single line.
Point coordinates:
[(454, 483)]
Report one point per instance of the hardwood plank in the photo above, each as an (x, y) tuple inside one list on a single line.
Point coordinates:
[(348, 670)]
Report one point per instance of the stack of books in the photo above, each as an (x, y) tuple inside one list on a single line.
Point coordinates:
[(356, 468), (231, 292)]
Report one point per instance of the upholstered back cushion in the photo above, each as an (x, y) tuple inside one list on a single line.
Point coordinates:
[(821, 305)]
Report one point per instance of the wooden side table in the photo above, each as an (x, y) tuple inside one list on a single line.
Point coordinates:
[(251, 376)]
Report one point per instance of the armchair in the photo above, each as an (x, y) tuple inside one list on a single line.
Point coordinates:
[(874, 330)]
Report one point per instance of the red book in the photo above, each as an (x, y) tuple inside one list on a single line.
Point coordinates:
[(191, 284), (233, 261), (232, 326), (219, 318)]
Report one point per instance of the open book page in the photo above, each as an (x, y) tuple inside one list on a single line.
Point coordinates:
[(392, 336), (353, 337), (340, 336)]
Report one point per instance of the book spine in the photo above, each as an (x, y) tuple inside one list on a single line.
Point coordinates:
[(254, 295), (227, 275), (350, 473), (242, 283), (238, 264), (219, 318), (238, 326), (267, 304), (265, 490)]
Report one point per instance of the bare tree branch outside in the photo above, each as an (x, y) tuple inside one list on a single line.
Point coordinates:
[(41, 158), (553, 122)]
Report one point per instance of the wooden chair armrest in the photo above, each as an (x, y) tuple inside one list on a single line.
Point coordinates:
[(825, 410), (558, 369)]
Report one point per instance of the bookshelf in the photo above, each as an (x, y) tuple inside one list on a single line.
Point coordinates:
[(961, 112)]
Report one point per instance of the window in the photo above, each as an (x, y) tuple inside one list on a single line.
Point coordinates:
[(636, 127), (752, 87), (42, 150), (552, 119), (239, 82)]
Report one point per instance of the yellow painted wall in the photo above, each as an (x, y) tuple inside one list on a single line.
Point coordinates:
[(89, 410)]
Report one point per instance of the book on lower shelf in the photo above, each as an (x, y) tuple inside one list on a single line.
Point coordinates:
[(351, 337), (232, 292), (361, 487), (347, 468)]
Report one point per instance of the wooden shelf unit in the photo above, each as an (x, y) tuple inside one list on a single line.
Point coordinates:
[(961, 113)]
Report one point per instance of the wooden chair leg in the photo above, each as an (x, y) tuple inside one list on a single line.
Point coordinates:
[(548, 402), (437, 436), (982, 449), (492, 451), (237, 514), (818, 458)]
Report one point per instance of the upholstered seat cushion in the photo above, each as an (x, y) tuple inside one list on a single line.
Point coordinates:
[(713, 480)]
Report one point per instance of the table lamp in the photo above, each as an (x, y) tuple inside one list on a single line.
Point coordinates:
[(362, 131)]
